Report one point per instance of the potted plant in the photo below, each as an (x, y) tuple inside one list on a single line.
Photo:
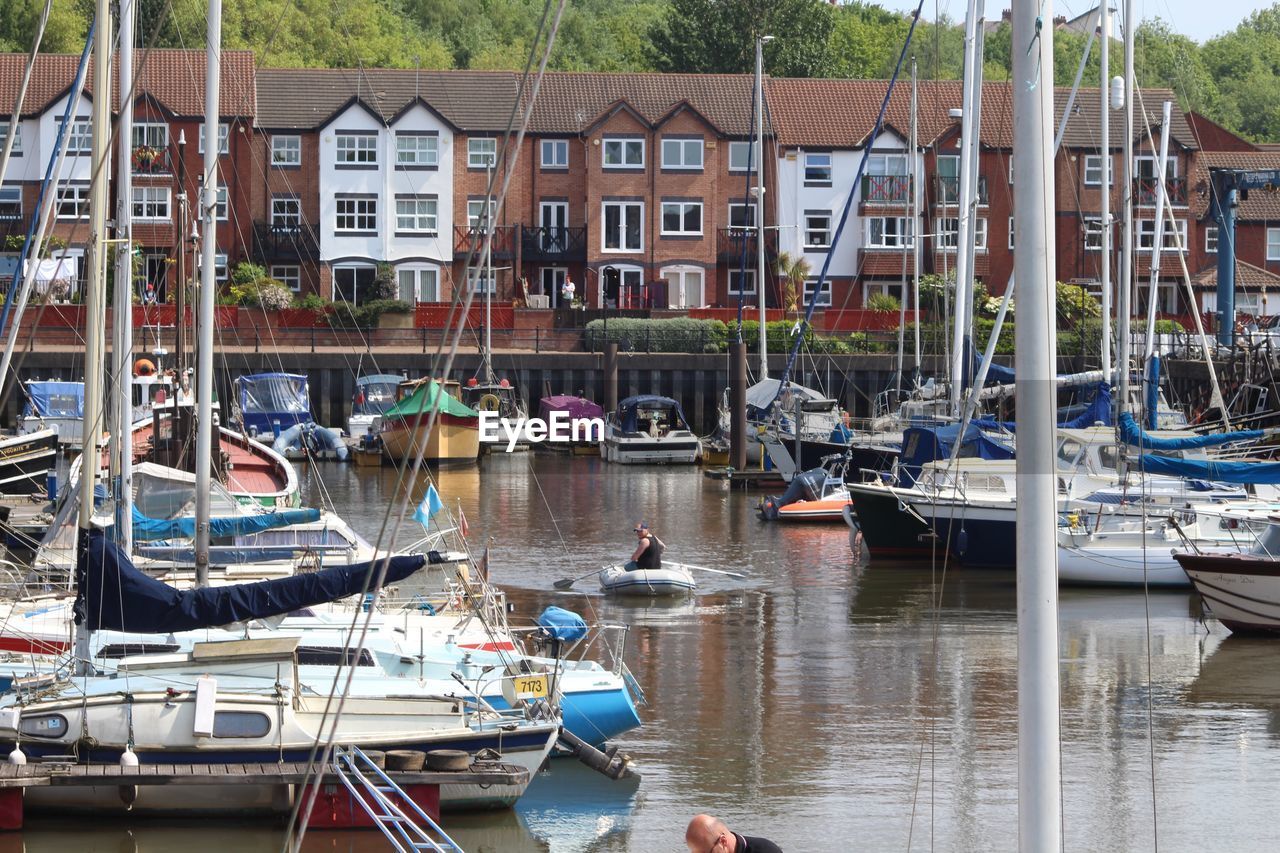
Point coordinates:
[(144, 158)]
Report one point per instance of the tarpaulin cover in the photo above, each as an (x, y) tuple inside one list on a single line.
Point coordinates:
[(628, 411), (375, 394), (1132, 434), (929, 444), (561, 624), (1098, 411), (55, 399), (112, 595), (423, 400), (1206, 469), (761, 395), (153, 529), (267, 397), (576, 407)]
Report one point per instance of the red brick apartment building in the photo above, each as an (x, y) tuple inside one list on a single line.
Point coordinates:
[(633, 186)]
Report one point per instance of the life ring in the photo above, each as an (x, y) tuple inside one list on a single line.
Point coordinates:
[(489, 403), (143, 367)]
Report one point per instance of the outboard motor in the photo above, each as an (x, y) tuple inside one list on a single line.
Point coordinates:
[(805, 486)]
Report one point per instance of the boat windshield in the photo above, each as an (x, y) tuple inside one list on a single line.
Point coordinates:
[(274, 393), (1269, 541), (374, 398)]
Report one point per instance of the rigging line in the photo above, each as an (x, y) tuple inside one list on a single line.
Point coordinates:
[(421, 448)]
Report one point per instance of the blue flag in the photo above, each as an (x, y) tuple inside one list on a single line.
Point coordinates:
[(431, 504)]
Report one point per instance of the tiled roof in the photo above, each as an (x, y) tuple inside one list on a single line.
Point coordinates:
[(1259, 206), (301, 98), (569, 102), (173, 77), (1247, 275), (841, 113)]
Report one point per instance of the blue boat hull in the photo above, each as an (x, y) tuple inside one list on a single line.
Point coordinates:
[(594, 716), (978, 543)]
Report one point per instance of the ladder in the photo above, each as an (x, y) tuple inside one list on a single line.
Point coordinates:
[(370, 787)]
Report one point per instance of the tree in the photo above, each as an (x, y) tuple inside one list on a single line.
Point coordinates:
[(792, 272), (718, 36), (65, 32)]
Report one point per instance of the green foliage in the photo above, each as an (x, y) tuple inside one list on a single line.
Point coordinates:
[(719, 36), (678, 334), (885, 303), (251, 288), (312, 301), (384, 286), (64, 33), (778, 335), (344, 315), (982, 328), (792, 272), (1074, 303)]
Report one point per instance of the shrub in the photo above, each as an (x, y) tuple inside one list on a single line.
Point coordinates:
[(343, 315), (885, 303), (384, 287), (777, 334), (266, 293), (679, 334), (312, 301)]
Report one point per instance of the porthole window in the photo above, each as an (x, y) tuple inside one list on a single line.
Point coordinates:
[(240, 724)]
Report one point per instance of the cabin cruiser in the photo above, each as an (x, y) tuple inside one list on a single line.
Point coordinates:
[(649, 429)]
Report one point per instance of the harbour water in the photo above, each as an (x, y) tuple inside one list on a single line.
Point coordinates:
[(826, 703)]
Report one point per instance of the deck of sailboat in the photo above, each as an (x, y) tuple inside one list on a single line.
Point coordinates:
[(250, 471)]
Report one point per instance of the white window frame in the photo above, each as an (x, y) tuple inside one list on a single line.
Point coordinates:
[(475, 210), (222, 208), (11, 196), (685, 150), (735, 275), (1092, 237), (356, 149), (946, 240), (416, 149), (750, 227), (622, 228), (1010, 233), (282, 217), (629, 152), (291, 280), (224, 135), (286, 149), (682, 209), (355, 290), (551, 149), (1145, 229), (1211, 239), (1093, 166), (421, 213), (17, 137), (886, 288), (551, 290), (880, 162), (1171, 166), (823, 297), (902, 239), (152, 134), (1273, 244), (362, 209), (76, 195), (482, 152), (811, 218), (683, 271), (79, 136), (485, 282), (420, 273), (220, 270), (738, 154), (829, 168)]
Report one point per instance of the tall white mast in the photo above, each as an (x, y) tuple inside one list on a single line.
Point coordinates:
[(916, 230), (208, 285), (1104, 103), (966, 199), (122, 339), (1123, 304), (1039, 791), (1157, 239), (759, 157), (489, 283)]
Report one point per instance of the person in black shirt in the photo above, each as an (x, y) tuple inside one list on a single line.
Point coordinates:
[(649, 549), (707, 834)]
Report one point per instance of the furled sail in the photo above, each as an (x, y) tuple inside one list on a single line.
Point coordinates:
[(113, 595), (1257, 473), (146, 529), (1131, 433)]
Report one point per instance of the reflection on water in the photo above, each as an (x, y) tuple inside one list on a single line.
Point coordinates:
[(869, 706)]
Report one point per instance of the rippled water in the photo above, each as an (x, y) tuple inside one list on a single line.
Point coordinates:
[(826, 704)]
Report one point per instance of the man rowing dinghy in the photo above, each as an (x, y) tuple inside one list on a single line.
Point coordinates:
[(649, 550)]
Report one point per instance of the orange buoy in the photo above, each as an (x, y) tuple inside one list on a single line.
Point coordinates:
[(143, 367)]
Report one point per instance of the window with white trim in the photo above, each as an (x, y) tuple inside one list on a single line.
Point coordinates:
[(79, 137), (1145, 167), (356, 214), (1147, 235), (224, 132), (1211, 239), (681, 153), (744, 156), (286, 213), (482, 152), (152, 134), (418, 283), (357, 149), (221, 209), (1273, 244), (887, 164), (1011, 233), (823, 296), (417, 150), (289, 275), (817, 229), (947, 230), (623, 229), (682, 218), (17, 137), (220, 268), (555, 153), (1092, 234), (151, 203), (817, 168), (622, 153), (742, 218), (742, 282), (476, 213), (73, 201), (10, 204), (1093, 171), (352, 283), (416, 215), (889, 232), (286, 150), (485, 282)]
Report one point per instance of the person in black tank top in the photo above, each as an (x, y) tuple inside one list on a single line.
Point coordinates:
[(649, 550)]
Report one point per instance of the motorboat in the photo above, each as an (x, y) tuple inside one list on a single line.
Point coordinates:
[(374, 394), (819, 494), (649, 429), (1243, 589), (279, 405), (408, 428), (575, 410), (670, 579)]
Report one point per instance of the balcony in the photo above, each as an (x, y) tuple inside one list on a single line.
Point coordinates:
[(946, 191), (286, 242), (1147, 190), (151, 161), (469, 240), (733, 243), (549, 245), (886, 189)]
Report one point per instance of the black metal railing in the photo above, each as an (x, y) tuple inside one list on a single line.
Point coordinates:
[(286, 242), (553, 244)]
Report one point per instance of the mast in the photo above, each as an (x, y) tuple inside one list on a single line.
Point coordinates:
[(1039, 791), (1157, 239), (1104, 102), (916, 230), (764, 336), (122, 334), (208, 283), (1123, 304), (180, 298), (964, 208), (489, 283), (95, 285)]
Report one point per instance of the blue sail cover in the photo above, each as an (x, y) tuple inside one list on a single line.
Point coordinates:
[(1257, 473), (153, 529), (266, 398), (562, 624), (1132, 434), (929, 444), (55, 400), (112, 595), (1097, 412)]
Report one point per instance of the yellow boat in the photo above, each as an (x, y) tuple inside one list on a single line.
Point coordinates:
[(455, 436)]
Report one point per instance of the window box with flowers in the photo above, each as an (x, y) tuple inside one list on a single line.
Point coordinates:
[(150, 161)]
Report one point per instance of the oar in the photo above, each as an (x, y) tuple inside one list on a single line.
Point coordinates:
[(566, 583), (714, 571)]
